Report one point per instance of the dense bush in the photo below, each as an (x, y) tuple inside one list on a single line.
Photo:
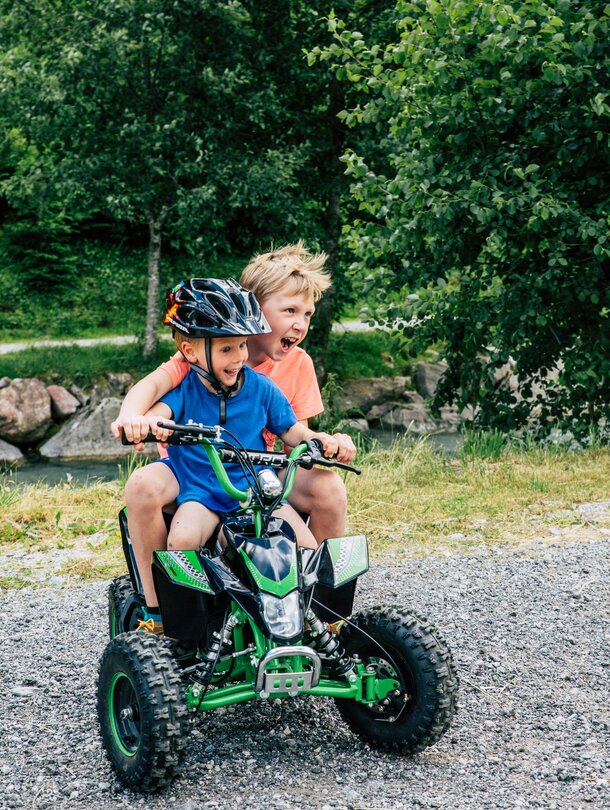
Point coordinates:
[(484, 220)]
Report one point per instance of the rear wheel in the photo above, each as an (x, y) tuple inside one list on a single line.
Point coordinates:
[(125, 606), (404, 647), (142, 711)]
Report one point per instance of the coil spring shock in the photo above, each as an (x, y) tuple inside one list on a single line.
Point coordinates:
[(330, 645), (205, 668)]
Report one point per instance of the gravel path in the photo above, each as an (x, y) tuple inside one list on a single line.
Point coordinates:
[(529, 631), (121, 340)]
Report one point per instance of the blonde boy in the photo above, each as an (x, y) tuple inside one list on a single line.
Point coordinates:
[(287, 283)]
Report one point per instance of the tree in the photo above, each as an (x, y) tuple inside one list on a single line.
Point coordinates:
[(150, 113), (483, 213)]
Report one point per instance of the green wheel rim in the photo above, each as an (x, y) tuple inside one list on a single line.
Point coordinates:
[(385, 669), (124, 713), (114, 622)]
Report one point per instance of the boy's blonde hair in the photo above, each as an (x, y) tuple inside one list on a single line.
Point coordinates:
[(292, 269), (179, 339)]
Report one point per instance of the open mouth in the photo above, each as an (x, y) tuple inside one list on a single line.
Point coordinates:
[(287, 343)]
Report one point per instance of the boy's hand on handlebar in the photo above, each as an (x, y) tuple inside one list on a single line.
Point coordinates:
[(136, 429), (328, 442), (346, 452)]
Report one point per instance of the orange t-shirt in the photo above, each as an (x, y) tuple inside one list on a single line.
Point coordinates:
[(295, 377)]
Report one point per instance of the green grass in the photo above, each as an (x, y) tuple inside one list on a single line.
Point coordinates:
[(414, 499), (81, 365), (102, 292), (408, 501), (352, 355), (483, 444)]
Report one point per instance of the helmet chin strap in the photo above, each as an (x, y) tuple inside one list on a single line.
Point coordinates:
[(210, 377)]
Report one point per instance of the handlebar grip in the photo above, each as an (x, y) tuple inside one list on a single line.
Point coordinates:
[(199, 430), (328, 462), (150, 438)]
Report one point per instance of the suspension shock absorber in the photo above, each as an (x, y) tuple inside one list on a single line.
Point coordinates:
[(205, 668), (330, 645), (227, 631)]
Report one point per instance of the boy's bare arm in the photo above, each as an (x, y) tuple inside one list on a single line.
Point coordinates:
[(333, 447), (133, 417)]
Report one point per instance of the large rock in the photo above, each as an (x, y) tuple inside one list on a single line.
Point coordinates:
[(25, 410), (359, 396), (426, 377), (87, 435), (414, 420), (63, 403), (9, 453), (353, 426)]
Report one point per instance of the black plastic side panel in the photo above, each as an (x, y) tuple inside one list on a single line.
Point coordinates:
[(185, 612), (333, 601), (128, 552)]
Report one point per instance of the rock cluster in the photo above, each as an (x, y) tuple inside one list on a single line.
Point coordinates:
[(70, 423), (398, 403), (74, 424)]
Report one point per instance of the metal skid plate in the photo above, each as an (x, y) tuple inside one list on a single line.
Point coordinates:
[(270, 681)]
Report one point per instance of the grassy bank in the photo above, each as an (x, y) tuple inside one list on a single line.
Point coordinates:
[(93, 289), (350, 355), (407, 501)]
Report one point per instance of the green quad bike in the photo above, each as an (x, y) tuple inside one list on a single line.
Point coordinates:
[(257, 619)]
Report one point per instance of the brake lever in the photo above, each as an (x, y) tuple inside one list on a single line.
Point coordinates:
[(316, 456)]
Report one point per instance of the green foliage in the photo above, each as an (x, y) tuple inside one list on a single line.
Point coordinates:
[(172, 118), (105, 292), (352, 355), (483, 205)]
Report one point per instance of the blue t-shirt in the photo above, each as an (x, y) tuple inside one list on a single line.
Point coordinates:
[(258, 404)]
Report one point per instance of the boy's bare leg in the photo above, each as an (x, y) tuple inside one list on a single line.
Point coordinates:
[(321, 494), (192, 526), (305, 538), (148, 490)]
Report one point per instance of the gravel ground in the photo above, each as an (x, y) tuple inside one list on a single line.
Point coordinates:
[(529, 632)]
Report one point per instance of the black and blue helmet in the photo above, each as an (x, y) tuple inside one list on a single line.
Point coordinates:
[(213, 307)]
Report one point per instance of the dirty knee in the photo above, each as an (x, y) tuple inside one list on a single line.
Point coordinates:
[(183, 541)]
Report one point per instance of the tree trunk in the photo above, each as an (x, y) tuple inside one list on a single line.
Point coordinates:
[(155, 227), (326, 309)]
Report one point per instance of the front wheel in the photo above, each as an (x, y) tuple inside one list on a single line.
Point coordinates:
[(406, 648), (142, 711)]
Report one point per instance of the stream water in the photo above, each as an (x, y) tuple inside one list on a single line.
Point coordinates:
[(80, 472)]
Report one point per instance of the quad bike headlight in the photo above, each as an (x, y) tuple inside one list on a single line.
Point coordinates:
[(283, 617)]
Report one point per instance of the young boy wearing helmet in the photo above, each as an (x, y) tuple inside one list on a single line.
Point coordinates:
[(287, 283), (212, 320)]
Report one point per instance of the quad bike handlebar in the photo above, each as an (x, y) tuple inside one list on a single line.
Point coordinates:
[(220, 452), (313, 454)]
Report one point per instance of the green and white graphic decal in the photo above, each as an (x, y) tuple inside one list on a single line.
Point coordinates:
[(184, 568), (350, 557)]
